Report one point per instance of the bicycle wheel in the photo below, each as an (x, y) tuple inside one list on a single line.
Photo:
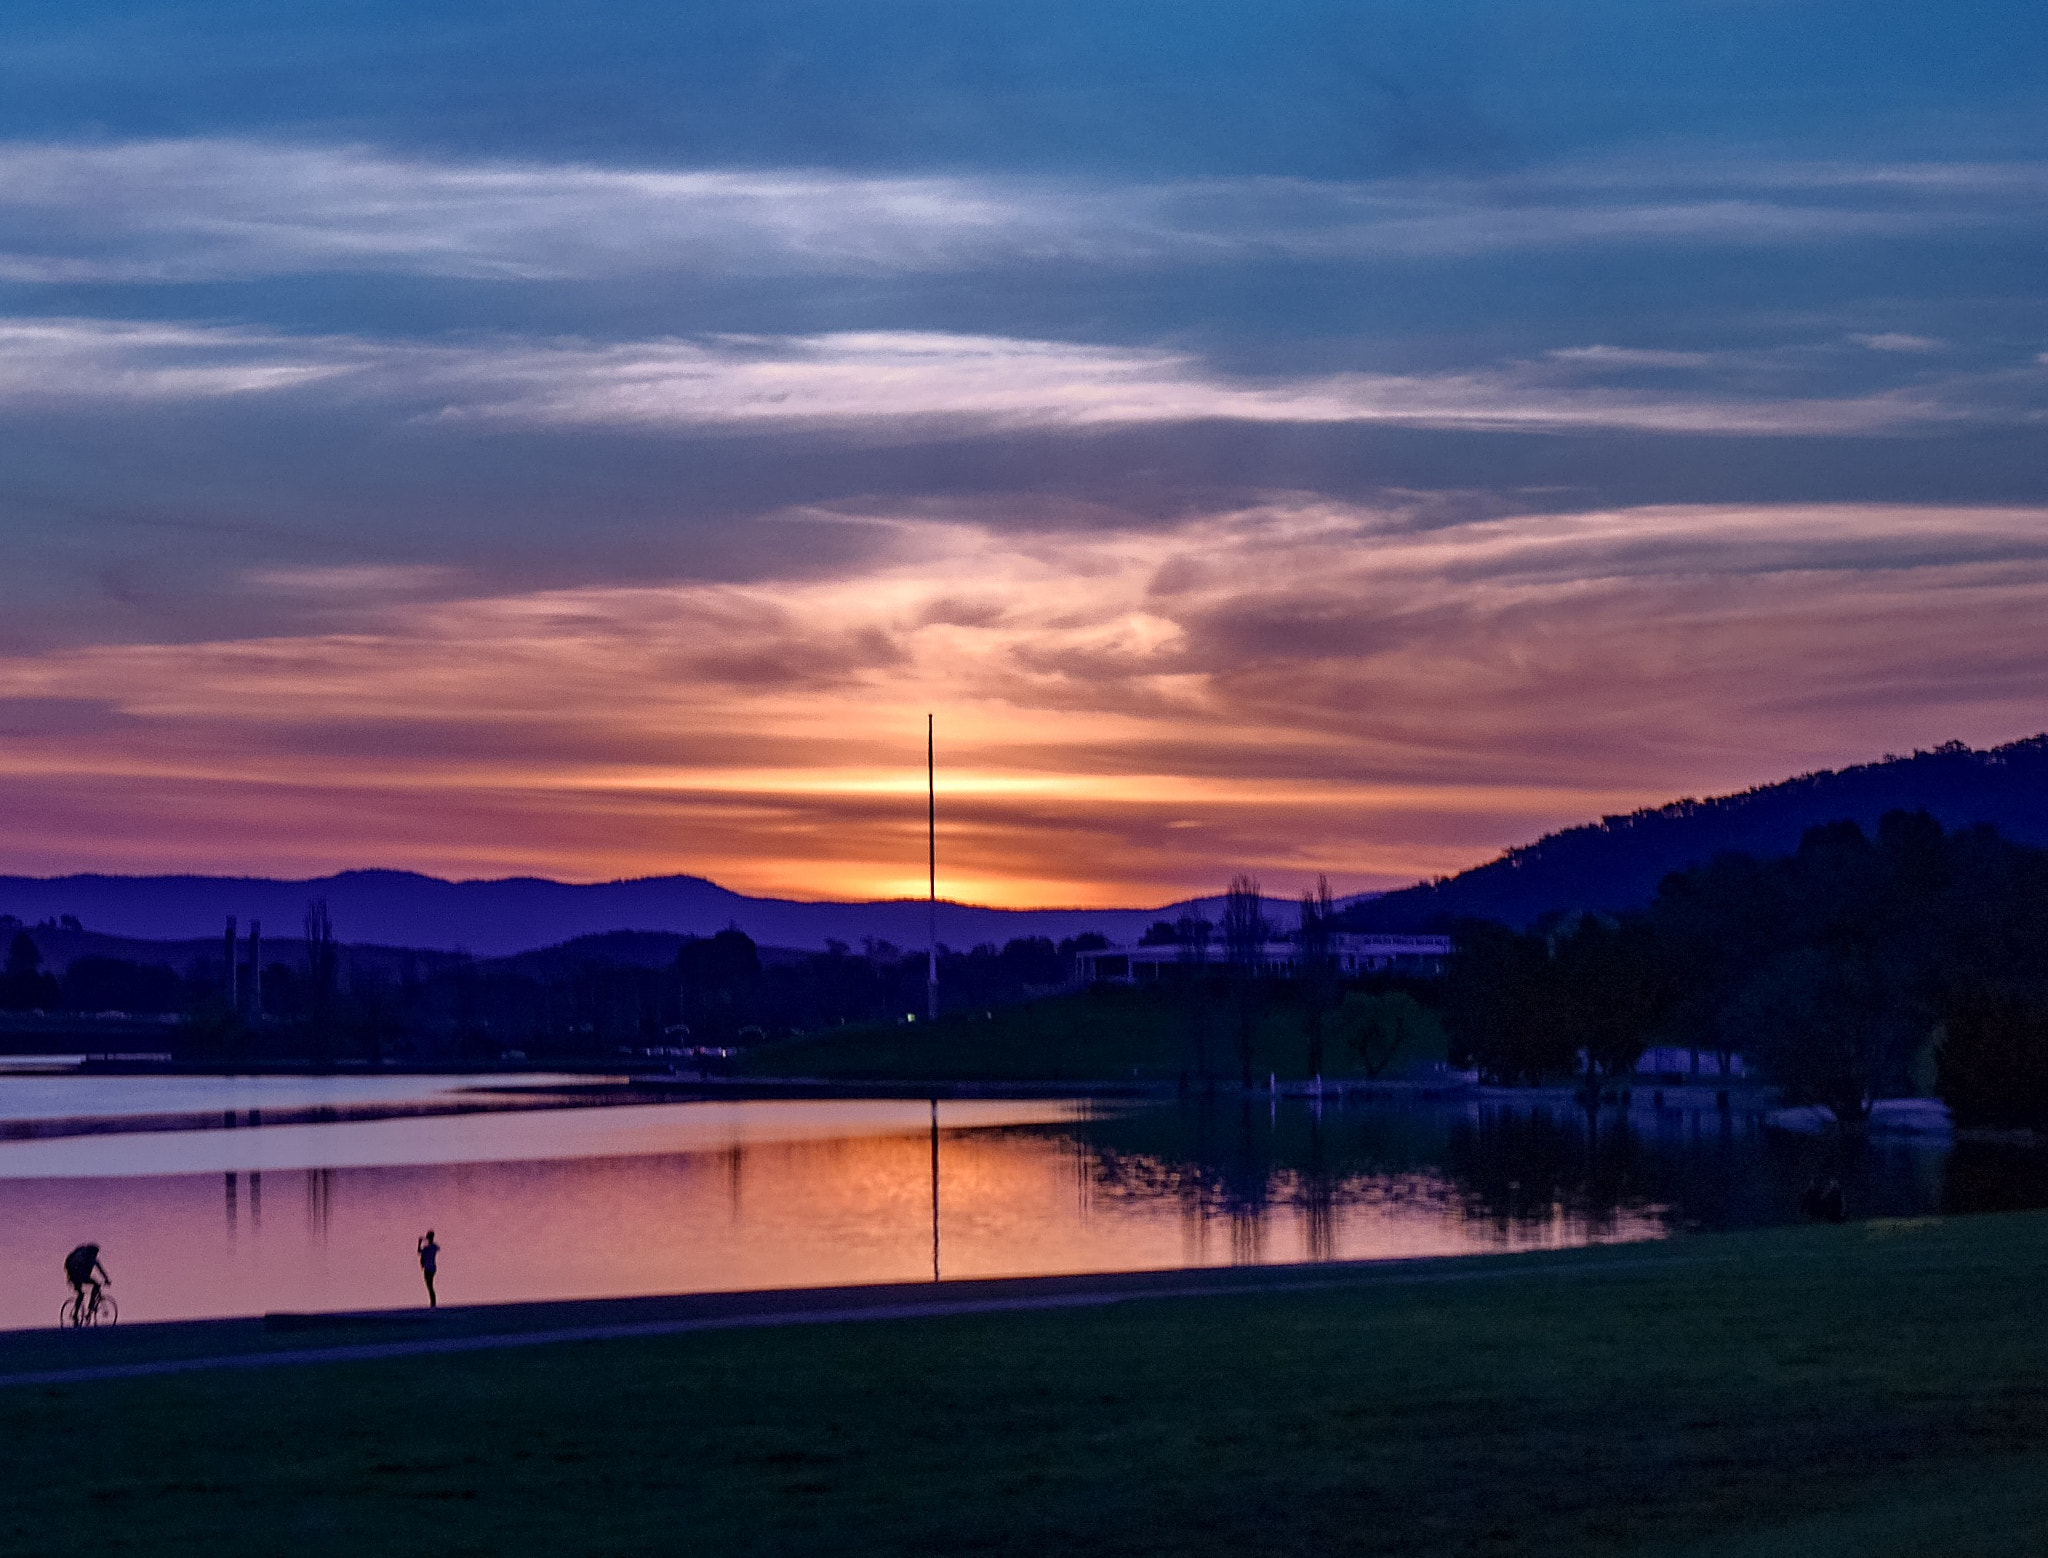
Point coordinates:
[(107, 1313), (67, 1313)]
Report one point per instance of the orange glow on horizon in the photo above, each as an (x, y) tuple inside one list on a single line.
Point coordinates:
[(1125, 718)]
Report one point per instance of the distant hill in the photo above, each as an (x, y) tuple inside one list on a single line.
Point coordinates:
[(1617, 862), (499, 918)]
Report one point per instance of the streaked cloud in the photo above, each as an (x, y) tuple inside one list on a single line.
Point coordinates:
[(1124, 715), (222, 209), (1897, 341), (879, 380), (878, 377), (350, 580), (57, 360)]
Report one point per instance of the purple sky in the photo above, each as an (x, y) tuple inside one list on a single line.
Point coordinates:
[(1285, 438)]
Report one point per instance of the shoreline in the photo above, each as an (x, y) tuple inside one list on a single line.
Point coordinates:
[(49, 1355)]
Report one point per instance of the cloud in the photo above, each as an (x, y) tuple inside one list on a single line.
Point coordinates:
[(116, 360), (1895, 341), (352, 581), (1597, 356), (883, 383), (1313, 685), (877, 377), (223, 209)]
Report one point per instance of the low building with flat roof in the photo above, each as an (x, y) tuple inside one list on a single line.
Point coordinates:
[(1133, 964)]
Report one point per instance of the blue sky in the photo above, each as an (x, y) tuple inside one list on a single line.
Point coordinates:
[(1295, 437)]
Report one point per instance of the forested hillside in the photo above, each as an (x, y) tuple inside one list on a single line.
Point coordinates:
[(1617, 862), (1837, 970)]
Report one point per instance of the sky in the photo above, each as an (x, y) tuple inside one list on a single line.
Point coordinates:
[(1280, 437)]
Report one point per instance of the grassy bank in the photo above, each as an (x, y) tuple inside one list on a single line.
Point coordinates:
[(1109, 1033), (1875, 1389)]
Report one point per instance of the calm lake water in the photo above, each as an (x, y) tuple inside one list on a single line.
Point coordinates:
[(60, 1097), (593, 1202)]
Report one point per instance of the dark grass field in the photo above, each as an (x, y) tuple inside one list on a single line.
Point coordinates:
[(1872, 1389)]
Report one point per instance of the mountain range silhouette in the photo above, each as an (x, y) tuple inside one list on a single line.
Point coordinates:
[(1615, 863)]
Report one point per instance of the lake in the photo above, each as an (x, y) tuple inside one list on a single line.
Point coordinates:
[(552, 1203)]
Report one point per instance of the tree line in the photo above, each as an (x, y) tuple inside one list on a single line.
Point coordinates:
[(1229, 1002), (593, 997), (1840, 971)]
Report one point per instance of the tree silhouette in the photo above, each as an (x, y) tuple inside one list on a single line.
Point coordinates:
[(24, 987), (323, 972), (1315, 973), (1192, 968), (1244, 937), (1609, 990), (1993, 1057), (1377, 1028)]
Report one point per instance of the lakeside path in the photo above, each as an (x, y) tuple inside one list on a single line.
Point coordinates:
[(57, 1357)]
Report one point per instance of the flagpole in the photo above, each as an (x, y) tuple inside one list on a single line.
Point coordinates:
[(931, 839)]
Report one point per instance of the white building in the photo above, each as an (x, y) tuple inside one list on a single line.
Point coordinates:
[(1136, 965), (1671, 1062)]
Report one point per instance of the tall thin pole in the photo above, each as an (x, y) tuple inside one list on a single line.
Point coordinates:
[(931, 841), (935, 1190)]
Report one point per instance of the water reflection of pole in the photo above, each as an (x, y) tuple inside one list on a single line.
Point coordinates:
[(935, 1190), (256, 1200)]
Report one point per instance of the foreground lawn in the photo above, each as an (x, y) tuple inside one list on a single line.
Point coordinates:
[(1874, 1390)]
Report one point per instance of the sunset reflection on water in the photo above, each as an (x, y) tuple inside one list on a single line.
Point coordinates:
[(783, 1199)]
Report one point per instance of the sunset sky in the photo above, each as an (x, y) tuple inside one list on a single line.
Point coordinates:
[(585, 439)]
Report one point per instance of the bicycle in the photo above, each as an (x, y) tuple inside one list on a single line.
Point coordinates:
[(82, 1309)]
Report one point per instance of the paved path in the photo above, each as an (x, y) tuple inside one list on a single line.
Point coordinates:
[(187, 1346)]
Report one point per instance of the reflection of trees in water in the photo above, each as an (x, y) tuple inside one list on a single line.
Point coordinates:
[(1240, 1163), (1519, 1165), (319, 1202), (1226, 1191), (1318, 1192), (1537, 1165)]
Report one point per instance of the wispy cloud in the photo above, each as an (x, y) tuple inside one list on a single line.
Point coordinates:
[(1293, 687), (881, 381), (1897, 341), (867, 378), (44, 360), (212, 209), (349, 581), (1597, 356)]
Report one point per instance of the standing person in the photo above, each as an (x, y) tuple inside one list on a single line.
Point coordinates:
[(430, 1255), (79, 1267)]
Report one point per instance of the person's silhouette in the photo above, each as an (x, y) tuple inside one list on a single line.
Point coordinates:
[(430, 1256), (79, 1269)]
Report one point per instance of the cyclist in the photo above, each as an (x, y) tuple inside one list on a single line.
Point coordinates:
[(79, 1267)]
